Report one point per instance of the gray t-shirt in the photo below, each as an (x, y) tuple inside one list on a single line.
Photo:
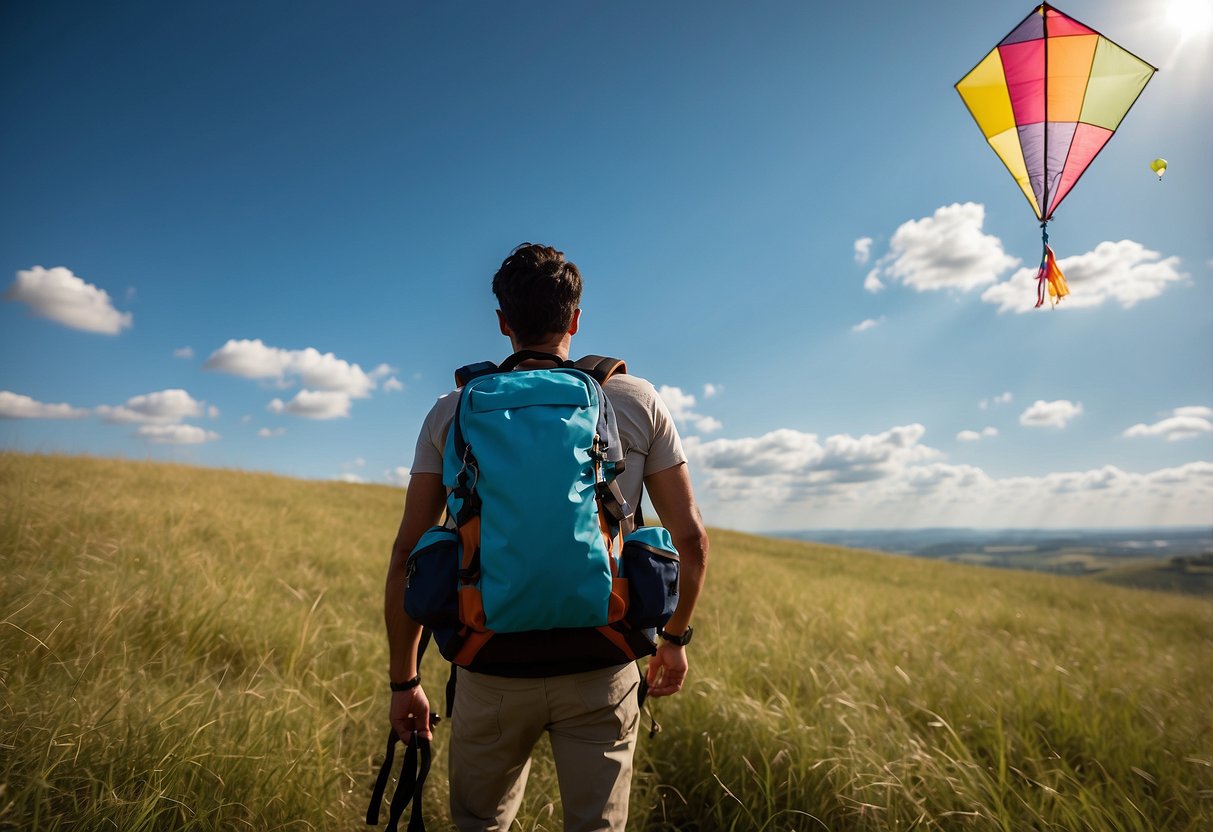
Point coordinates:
[(646, 429)]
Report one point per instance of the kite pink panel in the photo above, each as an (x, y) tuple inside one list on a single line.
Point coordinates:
[(1023, 64), (1058, 25), (1088, 141)]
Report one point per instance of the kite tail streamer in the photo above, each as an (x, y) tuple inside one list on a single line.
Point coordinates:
[(1049, 278)]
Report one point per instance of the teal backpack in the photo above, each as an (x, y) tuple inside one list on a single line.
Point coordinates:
[(538, 535)]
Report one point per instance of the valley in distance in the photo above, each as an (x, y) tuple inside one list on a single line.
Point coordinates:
[(1167, 558)]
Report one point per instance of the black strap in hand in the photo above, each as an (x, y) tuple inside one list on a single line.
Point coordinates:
[(408, 787)]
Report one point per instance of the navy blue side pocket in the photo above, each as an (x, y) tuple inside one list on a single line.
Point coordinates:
[(431, 590), (650, 563)]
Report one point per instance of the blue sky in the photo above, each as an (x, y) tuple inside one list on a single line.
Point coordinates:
[(261, 235)]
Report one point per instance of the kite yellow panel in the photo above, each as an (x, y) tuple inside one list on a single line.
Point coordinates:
[(984, 91)]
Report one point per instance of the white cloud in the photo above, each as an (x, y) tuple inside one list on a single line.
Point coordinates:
[(865, 325), (788, 479), (349, 477), (183, 352), (944, 251), (164, 407), (1044, 414), (314, 404), (788, 465), (393, 385), (1001, 398), (316, 370), (16, 406), (863, 250), (976, 436), (1125, 272), (270, 433), (63, 297), (398, 475), (710, 390), (1183, 423), (682, 407), (175, 434)]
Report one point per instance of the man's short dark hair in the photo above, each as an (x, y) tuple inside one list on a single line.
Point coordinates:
[(538, 291)]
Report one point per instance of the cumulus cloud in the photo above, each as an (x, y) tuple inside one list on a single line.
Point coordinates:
[(183, 352), (1183, 423), (314, 404), (60, 296), (270, 433), (1044, 414), (710, 390), (786, 465), (397, 476), (349, 477), (175, 434), (1125, 272), (863, 250), (393, 385), (789, 479), (977, 436), (865, 325), (682, 407), (1001, 398), (316, 370), (946, 250), (16, 406), (164, 407)]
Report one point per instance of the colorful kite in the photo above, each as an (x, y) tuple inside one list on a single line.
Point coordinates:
[(1047, 98)]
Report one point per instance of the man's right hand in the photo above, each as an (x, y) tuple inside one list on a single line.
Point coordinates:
[(410, 711)]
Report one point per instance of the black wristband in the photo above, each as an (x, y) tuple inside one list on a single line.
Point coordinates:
[(399, 687)]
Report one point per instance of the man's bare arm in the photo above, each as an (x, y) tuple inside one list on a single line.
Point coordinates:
[(672, 496), (422, 509)]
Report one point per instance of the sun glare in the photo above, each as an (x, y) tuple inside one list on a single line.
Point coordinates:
[(1192, 17)]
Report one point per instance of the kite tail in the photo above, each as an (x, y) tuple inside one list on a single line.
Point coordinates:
[(1049, 278)]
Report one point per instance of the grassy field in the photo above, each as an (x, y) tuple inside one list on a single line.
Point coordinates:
[(185, 648)]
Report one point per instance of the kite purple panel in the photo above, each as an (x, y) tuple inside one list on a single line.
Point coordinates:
[(1032, 141), (1061, 135), (1033, 27)]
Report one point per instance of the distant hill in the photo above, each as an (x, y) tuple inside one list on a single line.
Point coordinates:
[(1163, 558)]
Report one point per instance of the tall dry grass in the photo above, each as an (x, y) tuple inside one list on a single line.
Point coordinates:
[(184, 648)]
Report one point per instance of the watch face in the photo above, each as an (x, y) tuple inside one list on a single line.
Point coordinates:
[(682, 640)]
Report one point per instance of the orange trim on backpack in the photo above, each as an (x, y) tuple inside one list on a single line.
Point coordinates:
[(471, 602), (469, 541), (470, 647), (471, 608), (616, 638), (617, 607)]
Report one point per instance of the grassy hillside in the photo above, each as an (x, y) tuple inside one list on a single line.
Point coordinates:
[(196, 649)]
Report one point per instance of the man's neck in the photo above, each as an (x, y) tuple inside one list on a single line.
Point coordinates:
[(555, 346)]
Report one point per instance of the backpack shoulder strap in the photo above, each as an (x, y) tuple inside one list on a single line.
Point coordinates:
[(601, 367), (470, 371)]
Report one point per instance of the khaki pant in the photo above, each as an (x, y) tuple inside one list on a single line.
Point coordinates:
[(591, 719)]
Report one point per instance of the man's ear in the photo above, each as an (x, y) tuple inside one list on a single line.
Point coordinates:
[(574, 323), (503, 326)]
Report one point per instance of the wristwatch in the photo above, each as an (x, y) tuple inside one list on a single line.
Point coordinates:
[(682, 640)]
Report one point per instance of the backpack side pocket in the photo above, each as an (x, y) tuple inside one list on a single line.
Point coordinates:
[(650, 564), (431, 590)]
